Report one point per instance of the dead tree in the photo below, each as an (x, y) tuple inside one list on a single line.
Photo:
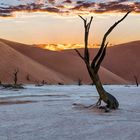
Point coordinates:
[(94, 66), (43, 82), (79, 82), (15, 73), (28, 77), (136, 80)]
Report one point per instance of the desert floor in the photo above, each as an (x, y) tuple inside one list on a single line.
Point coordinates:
[(48, 113)]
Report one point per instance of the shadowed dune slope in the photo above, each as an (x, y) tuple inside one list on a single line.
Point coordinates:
[(10, 59), (124, 60), (68, 64)]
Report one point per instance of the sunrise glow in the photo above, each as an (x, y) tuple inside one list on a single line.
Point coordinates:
[(57, 22)]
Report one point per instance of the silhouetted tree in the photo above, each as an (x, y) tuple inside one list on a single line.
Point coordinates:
[(28, 77), (136, 80), (94, 66), (15, 73), (43, 82), (79, 82)]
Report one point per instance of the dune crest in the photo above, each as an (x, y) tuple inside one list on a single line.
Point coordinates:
[(11, 59), (55, 67)]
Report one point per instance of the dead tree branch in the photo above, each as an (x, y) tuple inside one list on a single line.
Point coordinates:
[(94, 67)]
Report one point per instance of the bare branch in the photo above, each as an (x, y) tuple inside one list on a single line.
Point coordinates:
[(97, 57), (79, 54), (112, 27), (88, 25), (82, 18), (105, 37), (85, 21), (91, 19), (97, 67)]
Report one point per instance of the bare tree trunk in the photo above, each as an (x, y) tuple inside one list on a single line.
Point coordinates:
[(28, 77), (109, 99), (79, 82), (15, 76), (136, 80), (94, 67)]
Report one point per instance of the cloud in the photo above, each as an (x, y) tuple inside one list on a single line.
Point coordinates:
[(84, 5), (67, 1), (69, 6), (51, 1), (110, 6)]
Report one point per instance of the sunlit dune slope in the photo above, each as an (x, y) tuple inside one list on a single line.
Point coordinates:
[(67, 64), (11, 59)]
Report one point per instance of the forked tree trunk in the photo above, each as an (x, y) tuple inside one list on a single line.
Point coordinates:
[(109, 99), (94, 67)]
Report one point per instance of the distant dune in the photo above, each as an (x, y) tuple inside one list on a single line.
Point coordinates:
[(51, 66), (124, 60), (11, 59)]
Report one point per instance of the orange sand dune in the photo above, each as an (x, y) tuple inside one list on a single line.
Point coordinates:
[(11, 59), (124, 59), (65, 63)]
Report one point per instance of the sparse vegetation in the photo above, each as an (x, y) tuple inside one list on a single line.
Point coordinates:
[(79, 82), (28, 77), (15, 76), (42, 83), (136, 80), (15, 79)]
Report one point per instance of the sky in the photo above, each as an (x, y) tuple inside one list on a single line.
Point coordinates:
[(57, 21)]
